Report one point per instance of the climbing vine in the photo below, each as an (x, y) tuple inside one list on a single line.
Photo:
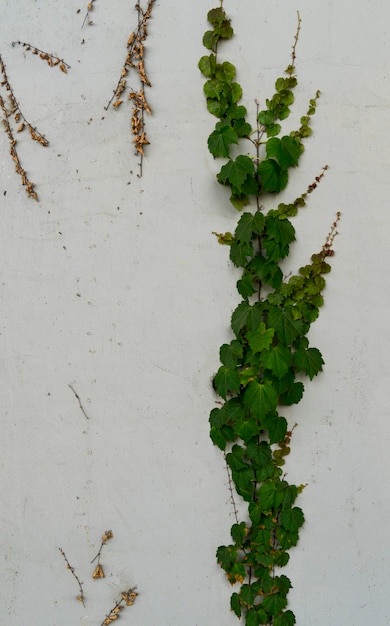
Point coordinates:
[(262, 365)]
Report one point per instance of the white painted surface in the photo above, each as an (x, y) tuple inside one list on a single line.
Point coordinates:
[(116, 285)]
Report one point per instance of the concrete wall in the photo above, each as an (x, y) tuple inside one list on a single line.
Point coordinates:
[(115, 285)]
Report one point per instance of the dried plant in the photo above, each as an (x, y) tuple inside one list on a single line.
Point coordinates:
[(87, 19), (51, 59), (80, 597), (127, 599), (13, 110), (99, 571), (79, 401), (135, 60)]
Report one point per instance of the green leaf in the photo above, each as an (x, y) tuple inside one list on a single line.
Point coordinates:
[(226, 556), (266, 270), (225, 71), (247, 429), (266, 496), (217, 106), (240, 252), (247, 595), (287, 329), (285, 83), (242, 128), (238, 200), (216, 17), (279, 229), (286, 495), (235, 458), (233, 410), (234, 173), (273, 178), (281, 558), (235, 604), (238, 533), (292, 519), (217, 418), (248, 225), (210, 39), (274, 604), (245, 285), (285, 619), (261, 338), (235, 93), (287, 538), (260, 398), (251, 618), (260, 453), (278, 359), (283, 584), (217, 438), (229, 354), (207, 65), (286, 151), (293, 395), (220, 140), (226, 381), (225, 31), (236, 112), (309, 361), (246, 315), (276, 426)]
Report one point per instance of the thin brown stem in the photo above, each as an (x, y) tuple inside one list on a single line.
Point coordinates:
[(80, 597), (79, 401), (99, 571), (235, 510), (294, 47), (89, 9)]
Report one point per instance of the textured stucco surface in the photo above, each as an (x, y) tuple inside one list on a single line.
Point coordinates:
[(115, 284)]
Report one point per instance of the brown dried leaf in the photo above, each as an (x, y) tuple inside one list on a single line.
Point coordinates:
[(63, 68), (108, 534), (20, 128), (98, 572)]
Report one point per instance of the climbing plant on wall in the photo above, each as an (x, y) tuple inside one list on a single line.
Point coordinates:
[(270, 351)]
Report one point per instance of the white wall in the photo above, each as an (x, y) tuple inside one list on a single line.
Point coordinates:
[(140, 342)]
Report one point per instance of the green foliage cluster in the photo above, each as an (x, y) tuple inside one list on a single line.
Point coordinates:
[(261, 367)]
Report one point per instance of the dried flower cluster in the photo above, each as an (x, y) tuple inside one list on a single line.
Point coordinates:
[(135, 60), (51, 59), (11, 110)]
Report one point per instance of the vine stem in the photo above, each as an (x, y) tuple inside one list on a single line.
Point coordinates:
[(294, 47), (235, 510)]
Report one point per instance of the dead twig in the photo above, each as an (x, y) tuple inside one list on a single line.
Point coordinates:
[(51, 59), (79, 400), (80, 597)]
